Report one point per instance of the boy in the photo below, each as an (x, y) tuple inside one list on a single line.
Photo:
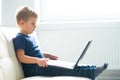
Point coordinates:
[(34, 63)]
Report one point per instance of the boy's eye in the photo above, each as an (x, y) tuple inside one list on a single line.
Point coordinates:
[(32, 23)]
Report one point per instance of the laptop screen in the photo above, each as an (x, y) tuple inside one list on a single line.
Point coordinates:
[(83, 53)]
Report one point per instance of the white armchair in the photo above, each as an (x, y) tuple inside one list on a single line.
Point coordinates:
[(10, 69)]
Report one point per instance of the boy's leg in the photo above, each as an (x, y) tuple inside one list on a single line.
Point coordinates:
[(86, 71), (82, 71), (92, 71), (51, 71)]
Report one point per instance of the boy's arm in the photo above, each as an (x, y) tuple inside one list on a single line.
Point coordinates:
[(50, 56), (30, 60)]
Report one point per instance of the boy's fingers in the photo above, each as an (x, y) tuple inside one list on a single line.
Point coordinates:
[(54, 57), (45, 63)]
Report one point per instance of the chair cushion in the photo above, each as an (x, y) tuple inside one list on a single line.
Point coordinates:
[(10, 68), (56, 78)]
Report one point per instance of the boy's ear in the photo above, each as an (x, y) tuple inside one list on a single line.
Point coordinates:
[(21, 22)]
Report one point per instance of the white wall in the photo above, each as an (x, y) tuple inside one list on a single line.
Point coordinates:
[(0, 10), (77, 10), (9, 8)]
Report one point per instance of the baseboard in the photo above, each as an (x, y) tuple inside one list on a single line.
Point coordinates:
[(110, 75), (108, 78)]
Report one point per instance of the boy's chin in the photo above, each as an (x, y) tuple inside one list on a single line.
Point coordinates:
[(31, 32)]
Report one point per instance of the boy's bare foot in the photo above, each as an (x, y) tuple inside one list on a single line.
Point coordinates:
[(100, 69)]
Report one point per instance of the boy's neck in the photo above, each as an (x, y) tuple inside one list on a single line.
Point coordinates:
[(23, 32)]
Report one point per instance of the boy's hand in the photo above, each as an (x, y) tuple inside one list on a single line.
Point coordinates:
[(53, 57), (42, 62)]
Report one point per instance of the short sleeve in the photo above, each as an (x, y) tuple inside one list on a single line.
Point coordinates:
[(19, 43)]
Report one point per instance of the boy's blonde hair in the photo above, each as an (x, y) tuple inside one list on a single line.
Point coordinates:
[(24, 14)]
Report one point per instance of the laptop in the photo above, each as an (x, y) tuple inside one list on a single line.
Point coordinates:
[(66, 64)]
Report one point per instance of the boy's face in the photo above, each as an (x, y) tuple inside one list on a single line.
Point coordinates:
[(27, 27)]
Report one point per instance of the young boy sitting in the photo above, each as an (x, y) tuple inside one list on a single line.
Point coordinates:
[(34, 63)]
